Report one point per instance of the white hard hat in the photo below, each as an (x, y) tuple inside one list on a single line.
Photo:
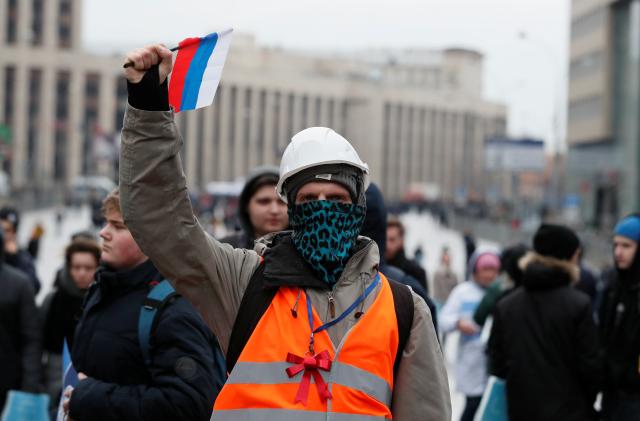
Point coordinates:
[(317, 146)]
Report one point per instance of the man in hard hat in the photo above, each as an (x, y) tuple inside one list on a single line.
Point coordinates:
[(311, 329)]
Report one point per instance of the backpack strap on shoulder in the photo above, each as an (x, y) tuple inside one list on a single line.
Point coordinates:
[(155, 300), (403, 304), (255, 302)]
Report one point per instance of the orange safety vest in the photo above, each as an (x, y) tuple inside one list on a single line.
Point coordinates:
[(360, 379)]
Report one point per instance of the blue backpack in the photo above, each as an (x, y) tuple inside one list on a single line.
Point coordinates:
[(157, 298)]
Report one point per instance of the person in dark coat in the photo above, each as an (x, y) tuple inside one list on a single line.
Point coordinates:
[(61, 309), (543, 341), (20, 344), (260, 210), (620, 325), (395, 254), (375, 227), (114, 382), (13, 255)]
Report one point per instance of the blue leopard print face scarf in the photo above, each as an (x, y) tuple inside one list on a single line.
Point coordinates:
[(324, 232)]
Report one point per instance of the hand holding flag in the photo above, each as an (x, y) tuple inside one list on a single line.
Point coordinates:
[(196, 73)]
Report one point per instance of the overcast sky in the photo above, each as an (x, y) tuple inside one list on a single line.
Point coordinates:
[(527, 73)]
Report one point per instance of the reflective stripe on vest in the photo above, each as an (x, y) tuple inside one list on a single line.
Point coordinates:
[(291, 415), (360, 379), (341, 373)]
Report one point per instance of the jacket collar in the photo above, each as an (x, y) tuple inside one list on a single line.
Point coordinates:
[(543, 272), (122, 280), (283, 266)]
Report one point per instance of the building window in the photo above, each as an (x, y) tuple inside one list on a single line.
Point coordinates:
[(332, 110), (35, 93), (246, 126), (586, 109), (63, 83), (36, 22), (589, 22), (586, 65), (9, 94), (121, 102), (386, 143), (290, 106), (11, 22), (233, 96), (276, 127), (90, 121), (261, 126), (217, 122), (65, 23), (305, 112), (318, 118)]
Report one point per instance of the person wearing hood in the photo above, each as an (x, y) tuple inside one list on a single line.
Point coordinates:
[(306, 303), (509, 262), (457, 314), (543, 340), (620, 325), (375, 227), (20, 340), (260, 210), (61, 308)]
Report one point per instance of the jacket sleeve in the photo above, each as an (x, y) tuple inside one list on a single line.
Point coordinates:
[(31, 339), (498, 363), (182, 384), (590, 361), (450, 313), (421, 390), (156, 208), (23, 261)]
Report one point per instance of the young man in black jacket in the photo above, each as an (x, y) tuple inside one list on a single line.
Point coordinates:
[(544, 341), (179, 381), (620, 325)]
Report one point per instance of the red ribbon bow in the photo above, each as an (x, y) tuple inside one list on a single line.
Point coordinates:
[(311, 366)]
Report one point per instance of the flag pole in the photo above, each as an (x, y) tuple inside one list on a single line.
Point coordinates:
[(186, 44)]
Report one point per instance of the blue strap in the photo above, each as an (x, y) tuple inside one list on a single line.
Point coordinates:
[(154, 300), (344, 314)]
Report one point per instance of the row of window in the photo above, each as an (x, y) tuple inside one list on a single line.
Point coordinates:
[(64, 22)]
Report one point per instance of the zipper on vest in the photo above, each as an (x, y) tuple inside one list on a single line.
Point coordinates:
[(332, 303)]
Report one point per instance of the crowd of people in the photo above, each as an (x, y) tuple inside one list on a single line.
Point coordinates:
[(313, 309)]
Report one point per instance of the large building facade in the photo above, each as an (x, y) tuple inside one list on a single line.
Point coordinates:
[(416, 116), (604, 109)]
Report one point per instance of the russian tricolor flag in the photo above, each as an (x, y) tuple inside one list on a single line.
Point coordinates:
[(197, 70)]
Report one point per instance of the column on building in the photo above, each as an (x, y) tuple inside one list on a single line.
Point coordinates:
[(418, 145), (239, 149), (46, 132), (207, 158), (107, 108), (429, 143), (438, 148), (19, 126), (457, 162), (77, 103), (227, 134), (385, 146), (50, 22), (396, 150), (191, 146), (4, 15), (403, 150), (24, 23)]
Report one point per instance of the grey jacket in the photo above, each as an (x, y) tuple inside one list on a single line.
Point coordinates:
[(214, 276)]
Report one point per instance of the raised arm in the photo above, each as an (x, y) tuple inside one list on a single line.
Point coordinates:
[(155, 202)]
